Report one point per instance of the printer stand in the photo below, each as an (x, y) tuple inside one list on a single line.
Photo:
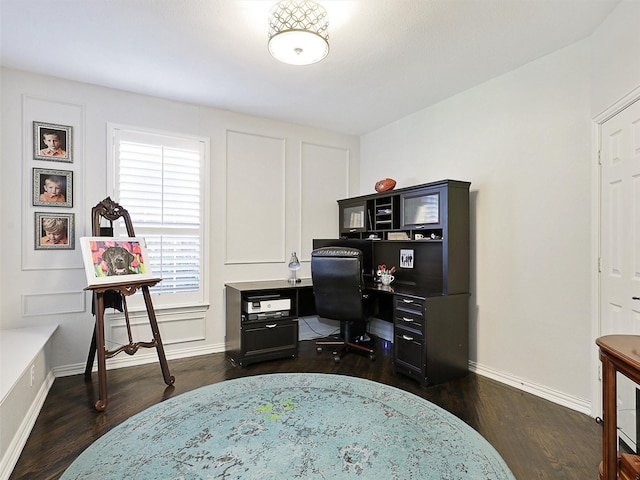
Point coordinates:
[(265, 334)]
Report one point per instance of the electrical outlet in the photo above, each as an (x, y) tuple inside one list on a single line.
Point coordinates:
[(33, 374)]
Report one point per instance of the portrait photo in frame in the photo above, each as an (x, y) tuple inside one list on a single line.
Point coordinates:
[(52, 142), (53, 188), (54, 231), (115, 260), (406, 258)]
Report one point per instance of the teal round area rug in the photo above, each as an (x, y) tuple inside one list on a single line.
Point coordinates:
[(292, 425)]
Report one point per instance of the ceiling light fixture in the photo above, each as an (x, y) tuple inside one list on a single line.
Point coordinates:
[(298, 32)]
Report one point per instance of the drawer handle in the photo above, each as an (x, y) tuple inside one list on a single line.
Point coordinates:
[(273, 325), (407, 319), (404, 337), (406, 300)]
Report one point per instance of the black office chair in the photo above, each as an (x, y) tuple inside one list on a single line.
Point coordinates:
[(338, 289)]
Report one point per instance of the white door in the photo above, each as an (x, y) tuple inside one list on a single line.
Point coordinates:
[(620, 243)]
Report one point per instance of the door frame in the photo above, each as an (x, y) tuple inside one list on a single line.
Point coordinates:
[(596, 248)]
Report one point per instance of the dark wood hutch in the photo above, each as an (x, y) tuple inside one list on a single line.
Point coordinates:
[(428, 303)]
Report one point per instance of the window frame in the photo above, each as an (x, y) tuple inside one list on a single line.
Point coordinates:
[(163, 301)]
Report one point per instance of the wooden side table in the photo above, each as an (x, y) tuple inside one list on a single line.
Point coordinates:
[(98, 342), (618, 353)]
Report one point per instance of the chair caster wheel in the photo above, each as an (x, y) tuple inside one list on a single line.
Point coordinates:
[(336, 358), (372, 357)]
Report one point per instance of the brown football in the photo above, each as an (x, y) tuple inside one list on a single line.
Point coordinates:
[(386, 184)]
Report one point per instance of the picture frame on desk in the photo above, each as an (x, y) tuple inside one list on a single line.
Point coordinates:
[(115, 260)]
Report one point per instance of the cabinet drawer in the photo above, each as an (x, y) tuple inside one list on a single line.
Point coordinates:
[(409, 320), (408, 348), (409, 312), (409, 304), (265, 337)]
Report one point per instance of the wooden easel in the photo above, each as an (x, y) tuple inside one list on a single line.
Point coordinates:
[(111, 211)]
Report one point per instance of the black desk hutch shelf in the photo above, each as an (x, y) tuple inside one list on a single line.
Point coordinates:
[(428, 303)]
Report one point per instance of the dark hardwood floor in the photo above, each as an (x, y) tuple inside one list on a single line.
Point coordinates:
[(536, 438)]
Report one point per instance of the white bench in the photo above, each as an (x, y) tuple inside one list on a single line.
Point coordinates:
[(23, 387), (18, 348)]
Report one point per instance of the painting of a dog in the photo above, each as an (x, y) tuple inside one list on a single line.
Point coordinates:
[(115, 260), (118, 260)]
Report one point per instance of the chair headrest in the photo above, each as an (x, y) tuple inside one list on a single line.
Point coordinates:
[(336, 252)]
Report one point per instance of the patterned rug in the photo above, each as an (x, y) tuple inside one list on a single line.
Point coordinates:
[(311, 426)]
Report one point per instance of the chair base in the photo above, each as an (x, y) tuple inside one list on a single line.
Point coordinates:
[(342, 347)]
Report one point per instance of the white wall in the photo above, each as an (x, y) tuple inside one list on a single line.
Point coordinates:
[(41, 287), (615, 68), (615, 84), (523, 141)]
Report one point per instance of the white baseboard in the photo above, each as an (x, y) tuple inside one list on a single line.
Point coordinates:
[(559, 398), (11, 456)]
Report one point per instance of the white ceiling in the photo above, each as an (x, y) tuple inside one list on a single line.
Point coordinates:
[(388, 58)]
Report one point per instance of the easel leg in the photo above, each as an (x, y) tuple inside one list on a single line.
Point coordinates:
[(168, 378), (101, 404), (92, 353)]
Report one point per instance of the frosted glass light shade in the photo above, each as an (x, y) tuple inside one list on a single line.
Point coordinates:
[(298, 32), (294, 265)]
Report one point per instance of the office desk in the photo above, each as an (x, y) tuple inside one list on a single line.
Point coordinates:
[(431, 333)]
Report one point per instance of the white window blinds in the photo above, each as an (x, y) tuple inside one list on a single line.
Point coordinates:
[(158, 180)]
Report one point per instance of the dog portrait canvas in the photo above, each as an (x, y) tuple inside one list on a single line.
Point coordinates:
[(110, 260)]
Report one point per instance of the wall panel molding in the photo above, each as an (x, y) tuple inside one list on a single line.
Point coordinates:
[(324, 179), (255, 209), (59, 113), (175, 328), (34, 304)]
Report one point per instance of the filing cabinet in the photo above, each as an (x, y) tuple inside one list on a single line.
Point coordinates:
[(255, 338), (263, 340), (431, 337), (409, 344)]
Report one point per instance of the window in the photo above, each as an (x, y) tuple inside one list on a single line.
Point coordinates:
[(158, 178)]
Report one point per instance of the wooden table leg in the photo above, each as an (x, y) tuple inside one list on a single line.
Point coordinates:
[(168, 378), (610, 431), (101, 404)]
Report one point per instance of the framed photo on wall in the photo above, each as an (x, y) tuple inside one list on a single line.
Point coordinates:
[(52, 188), (52, 142), (109, 260), (406, 258), (54, 231)]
